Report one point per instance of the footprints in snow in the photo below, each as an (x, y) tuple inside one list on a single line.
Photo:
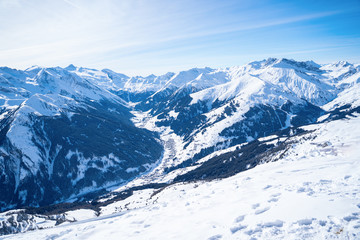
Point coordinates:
[(304, 228), (260, 211), (352, 217), (276, 223), (273, 200), (307, 227), (238, 227), (267, 187), (239, 219), (305, 222), (216, 237), (256, 205), (274, 197)]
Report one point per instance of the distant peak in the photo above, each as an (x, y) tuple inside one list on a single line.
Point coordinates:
[(169, 74), (107, 70), (35, 67), (151, 76), (286, 60), (71, 67), (342, 64), (269, 61), (286, 63), (197, 70), (312, 63), (264, 63)]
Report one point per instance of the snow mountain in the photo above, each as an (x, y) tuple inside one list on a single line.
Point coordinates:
[(77, 138)]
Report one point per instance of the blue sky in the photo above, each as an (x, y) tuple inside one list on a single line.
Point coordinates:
[(140, 37)]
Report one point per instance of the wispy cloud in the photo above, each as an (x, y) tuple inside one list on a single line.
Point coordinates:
[(71, 3), (243, 26), (132, 34)]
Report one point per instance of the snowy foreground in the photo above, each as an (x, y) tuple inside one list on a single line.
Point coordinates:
[(312, 193)]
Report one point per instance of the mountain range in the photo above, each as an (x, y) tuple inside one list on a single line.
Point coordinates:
[(73, 135)]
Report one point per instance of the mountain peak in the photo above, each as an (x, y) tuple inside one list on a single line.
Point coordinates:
[(286, 63), (262, 63), (342, 64), (32, 68), (71, 67)]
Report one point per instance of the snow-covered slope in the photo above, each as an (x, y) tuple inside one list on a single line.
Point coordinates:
[(312, 192), (350, 93), (286, 76)]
